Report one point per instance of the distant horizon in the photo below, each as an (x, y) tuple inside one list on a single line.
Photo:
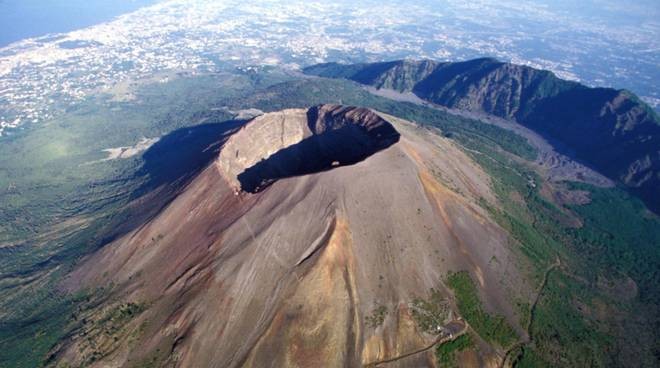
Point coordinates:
[(598, 44), (28, 19)]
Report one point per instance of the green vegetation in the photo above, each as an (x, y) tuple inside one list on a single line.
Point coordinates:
[(377, 316), (621, 236), (33, 335), (558, 322), (60, 201), (529, 359), (120, 315), (445, 353), (432, 313), (575, 320), (52, 172), (102, 336), (491, 328)]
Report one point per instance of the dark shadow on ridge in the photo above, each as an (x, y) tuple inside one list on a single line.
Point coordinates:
[(168, 166), (183, 153), (344, 146)]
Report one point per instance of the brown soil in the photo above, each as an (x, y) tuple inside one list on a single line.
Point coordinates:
[(286, 276)]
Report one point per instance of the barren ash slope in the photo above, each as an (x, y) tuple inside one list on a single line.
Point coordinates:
[(317, 237)]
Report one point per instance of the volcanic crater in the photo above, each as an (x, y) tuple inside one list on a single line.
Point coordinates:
[(304, 270), (297, 142)]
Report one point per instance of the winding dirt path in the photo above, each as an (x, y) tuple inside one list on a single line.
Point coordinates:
[(438, 340), (532, 309)]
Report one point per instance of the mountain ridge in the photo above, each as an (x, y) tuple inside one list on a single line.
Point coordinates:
[(612, 130)]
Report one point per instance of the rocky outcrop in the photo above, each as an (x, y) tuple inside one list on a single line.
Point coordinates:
[(612, 130)]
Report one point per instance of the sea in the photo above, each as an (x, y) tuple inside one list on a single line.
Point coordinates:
[(21, 19)]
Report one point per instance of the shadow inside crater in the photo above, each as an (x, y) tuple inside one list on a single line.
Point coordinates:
[(347, 145)]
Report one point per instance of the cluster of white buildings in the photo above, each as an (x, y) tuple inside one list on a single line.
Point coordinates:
[(39, 77)]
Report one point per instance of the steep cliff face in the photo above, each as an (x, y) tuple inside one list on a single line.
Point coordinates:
[(610, 129), (321, 267), (502, 89), (400, 76)]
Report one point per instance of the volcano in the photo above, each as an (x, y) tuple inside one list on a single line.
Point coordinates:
[(317, 237)]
